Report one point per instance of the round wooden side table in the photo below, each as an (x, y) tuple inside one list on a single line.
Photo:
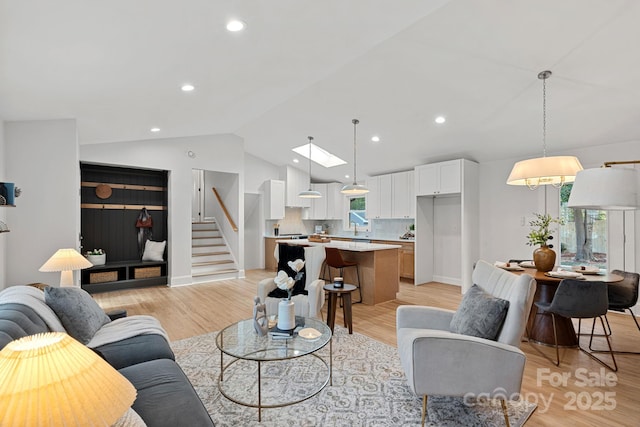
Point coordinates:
[(345, 293)]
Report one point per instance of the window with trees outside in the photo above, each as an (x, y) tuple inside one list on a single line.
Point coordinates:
[(583, 235), (357, 213)]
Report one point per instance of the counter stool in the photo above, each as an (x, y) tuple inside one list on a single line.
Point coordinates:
[(345, 294), (334, 259)]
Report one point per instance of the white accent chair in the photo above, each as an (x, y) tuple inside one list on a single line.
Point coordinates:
[(305, 305), (439, 362)]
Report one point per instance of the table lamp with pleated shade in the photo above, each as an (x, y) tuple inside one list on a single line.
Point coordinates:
[(66, 261), (51, 379)]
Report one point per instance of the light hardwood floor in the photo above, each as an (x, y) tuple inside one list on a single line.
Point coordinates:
[(198, 309)]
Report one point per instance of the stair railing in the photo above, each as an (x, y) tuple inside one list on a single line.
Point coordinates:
[(224, 209)]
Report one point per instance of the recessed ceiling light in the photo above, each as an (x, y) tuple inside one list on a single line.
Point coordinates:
[(235, 25), (187, 87), (319, 155), (347, 176), (296, 161), (375, 138), (155, 129), (440, 120)]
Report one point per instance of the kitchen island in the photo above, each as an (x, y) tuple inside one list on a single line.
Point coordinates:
[(378, 264)]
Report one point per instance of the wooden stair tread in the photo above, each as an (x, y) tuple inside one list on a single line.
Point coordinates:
[(207, 246), (212, 253), (206, 237), (213, 273), (202, 264)]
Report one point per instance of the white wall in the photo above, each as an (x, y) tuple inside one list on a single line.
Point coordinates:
[(41, 157), (227, 185), (224, 153), (258, 171), (3, 212), (502, 208)]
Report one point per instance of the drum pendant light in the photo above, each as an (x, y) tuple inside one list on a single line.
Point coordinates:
[(545, 170), (354, 189), (310, 194)]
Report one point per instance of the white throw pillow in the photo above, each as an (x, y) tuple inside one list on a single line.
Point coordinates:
[(154, 251)]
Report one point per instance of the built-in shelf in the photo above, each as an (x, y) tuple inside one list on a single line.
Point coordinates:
[(123, 275)]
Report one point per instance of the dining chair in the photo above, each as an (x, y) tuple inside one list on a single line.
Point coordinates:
[(577, 299), (623, 296)]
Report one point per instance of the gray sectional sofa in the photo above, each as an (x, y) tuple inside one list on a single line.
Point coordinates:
[(136, 346)]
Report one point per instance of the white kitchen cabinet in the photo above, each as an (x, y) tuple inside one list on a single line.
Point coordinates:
[(295, 182), (447, 228), (439, 178), (318, 208), (335, 201), (403, 195), (274, 199), (379, 198)]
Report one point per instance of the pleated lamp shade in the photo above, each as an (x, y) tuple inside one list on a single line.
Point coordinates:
[(66, 261), (51, 379)]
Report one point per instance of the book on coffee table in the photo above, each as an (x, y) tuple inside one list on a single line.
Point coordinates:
[(287, 333)]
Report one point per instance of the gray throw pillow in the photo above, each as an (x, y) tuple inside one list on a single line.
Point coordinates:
[(479, 314), (80, 315)]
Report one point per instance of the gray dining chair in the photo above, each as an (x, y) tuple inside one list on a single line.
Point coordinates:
[(577, 299), (623, 296)]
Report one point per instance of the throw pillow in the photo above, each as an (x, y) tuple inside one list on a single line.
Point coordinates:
[(480, 314), (154, 251), (289, 253), (80, 315)]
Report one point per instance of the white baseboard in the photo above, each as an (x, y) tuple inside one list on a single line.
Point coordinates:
[(180, 281), (448, 280)]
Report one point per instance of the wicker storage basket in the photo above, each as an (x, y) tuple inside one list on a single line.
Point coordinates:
[(147, 272), (103, 277)]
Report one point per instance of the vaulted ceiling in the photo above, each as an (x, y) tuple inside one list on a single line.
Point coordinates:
[(306, 68)]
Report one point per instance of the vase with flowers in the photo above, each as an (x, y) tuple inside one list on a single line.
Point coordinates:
[(544, 258), (286, 307)]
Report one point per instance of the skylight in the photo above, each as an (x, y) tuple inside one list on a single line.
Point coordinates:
[(319, 155)]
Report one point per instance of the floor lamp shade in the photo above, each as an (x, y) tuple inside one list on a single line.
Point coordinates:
[(556, 170), (605, 188), (51, 379)]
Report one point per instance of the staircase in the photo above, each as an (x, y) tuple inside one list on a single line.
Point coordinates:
[(211, 258)]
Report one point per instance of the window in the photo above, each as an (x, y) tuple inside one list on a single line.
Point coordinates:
[(357, 213), (583, 237)]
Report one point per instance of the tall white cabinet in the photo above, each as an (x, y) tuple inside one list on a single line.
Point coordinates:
[(295, 182), (447, 222)]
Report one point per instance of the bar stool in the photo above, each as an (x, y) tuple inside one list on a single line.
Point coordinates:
[(334, 259)]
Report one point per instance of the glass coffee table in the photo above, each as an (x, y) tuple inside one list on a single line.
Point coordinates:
[(241, 383)]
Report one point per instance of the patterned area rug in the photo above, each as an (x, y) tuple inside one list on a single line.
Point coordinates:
[(369, 389)]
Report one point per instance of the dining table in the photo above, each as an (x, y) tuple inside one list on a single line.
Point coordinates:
[(540, 324)]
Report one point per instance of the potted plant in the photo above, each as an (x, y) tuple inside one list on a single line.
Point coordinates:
[(544, 257), (97, 257)]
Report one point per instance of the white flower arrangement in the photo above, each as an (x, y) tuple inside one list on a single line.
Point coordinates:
[(286, 283), (296, 265)]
